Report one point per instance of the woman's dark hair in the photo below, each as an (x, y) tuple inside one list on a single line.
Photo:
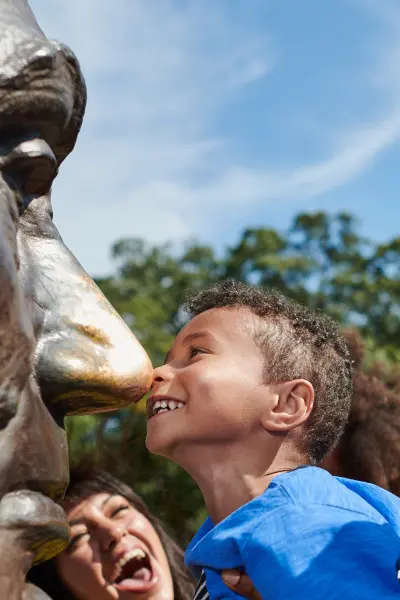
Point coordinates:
[(370, 446), (369, 449), (85, 481)]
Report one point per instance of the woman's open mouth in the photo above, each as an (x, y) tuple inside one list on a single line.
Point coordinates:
[(135, 572)]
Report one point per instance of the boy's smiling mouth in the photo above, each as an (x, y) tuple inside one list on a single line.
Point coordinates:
[(161, 404)]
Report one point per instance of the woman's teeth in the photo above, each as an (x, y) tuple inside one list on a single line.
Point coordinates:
[(136, 553)]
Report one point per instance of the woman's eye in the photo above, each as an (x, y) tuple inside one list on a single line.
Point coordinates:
[(76, 539), (120, 509)]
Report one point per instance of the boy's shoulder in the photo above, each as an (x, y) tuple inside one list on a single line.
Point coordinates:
[(312, 488), (302, 534), (290, 492), (304, 494)]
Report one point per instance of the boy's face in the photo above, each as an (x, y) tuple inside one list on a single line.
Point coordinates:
[(213, 382)]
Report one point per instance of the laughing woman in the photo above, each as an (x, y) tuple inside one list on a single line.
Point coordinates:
[(118, 549)]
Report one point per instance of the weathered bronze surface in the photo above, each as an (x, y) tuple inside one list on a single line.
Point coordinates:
[(63, 349)]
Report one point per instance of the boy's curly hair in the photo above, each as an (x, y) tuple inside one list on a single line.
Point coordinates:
[(297, 343)]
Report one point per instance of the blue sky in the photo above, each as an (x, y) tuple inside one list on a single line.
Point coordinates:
[(208, 116)]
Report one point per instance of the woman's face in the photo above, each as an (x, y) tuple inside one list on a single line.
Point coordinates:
[(115, 553)]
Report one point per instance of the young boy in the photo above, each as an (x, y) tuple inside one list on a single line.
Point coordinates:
[(254, 392)]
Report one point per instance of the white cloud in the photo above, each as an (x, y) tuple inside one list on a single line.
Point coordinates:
[(148, 161)]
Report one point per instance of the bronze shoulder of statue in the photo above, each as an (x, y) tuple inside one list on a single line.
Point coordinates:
[(63, 348)]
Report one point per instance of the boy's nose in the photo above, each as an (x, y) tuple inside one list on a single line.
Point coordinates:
[(160, 374)]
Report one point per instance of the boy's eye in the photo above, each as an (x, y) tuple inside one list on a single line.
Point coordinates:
[(194, 351)]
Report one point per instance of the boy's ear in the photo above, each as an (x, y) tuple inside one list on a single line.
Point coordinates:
[(293, 403)]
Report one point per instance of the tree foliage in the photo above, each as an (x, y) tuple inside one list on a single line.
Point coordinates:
[(320, 260)]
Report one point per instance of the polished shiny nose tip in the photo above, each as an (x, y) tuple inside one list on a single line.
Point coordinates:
[(85, 370)]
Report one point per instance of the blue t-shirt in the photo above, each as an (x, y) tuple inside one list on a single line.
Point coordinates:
[(309, 536)]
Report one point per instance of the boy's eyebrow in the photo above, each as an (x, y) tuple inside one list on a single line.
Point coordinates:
[(197, 334), (189, 338)]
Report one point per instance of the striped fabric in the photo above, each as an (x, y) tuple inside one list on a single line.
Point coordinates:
[(201, 590)]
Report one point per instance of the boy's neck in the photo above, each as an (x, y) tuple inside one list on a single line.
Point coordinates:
[(230, 482)]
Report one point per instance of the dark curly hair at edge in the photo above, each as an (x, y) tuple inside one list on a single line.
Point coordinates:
[(297, 343), (86, 480), (369, 448)]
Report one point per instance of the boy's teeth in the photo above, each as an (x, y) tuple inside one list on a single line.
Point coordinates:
[(164, 405), (156, 406)]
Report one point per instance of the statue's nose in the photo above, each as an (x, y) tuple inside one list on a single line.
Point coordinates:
[(87, 359)]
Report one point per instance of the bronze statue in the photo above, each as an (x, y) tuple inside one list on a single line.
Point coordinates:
[(63, 349)]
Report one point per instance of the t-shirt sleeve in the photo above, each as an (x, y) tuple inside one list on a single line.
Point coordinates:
[(322, 552)]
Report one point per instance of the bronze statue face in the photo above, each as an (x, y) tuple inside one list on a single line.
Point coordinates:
[(63, 349), (85, 359)]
